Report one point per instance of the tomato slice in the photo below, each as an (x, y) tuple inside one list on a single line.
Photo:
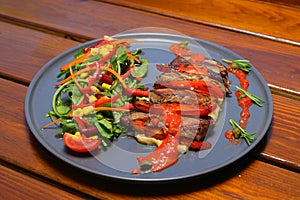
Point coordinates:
[(80, 143)]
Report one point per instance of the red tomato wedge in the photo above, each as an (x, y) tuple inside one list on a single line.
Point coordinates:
[(80, 143)]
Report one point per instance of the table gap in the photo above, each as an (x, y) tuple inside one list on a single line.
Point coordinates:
[(44, 29), (273, 160)]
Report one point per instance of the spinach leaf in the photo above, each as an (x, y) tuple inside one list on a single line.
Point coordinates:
[(141, 70)]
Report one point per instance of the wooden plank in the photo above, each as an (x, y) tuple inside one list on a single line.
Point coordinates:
[(282, 110), (26, 51), (37, 48), (286, 2), (246, 173), (283, 138), (16, 185), (260, 17)]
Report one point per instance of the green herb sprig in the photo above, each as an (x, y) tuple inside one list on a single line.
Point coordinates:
[(254, 98), (184, 44), (244, 65), (239, 132)]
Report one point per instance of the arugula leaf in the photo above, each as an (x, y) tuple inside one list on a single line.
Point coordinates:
[(103, 130), (107, 124), (91, 59), (62, 109), (79, 53), (66, 126), (140, 71), (138, 51)]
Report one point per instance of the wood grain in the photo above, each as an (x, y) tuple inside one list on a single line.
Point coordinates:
[(22, 58), (260, 17), (248, 172), (286, 2), (16, 185), (45, 49), (32, 33), (270, 58), (283, 138)]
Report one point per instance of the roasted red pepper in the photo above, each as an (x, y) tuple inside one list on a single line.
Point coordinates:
[(179, 50), (99, 102), (162, 157), (200, 145), (136, 92)]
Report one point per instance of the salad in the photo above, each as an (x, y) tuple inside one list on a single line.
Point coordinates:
[(94, 91)]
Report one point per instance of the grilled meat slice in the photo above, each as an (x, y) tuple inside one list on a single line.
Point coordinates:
[(153, 125), (199, 110), (181, 76), (214, 69), (177, 76), (167, 95)]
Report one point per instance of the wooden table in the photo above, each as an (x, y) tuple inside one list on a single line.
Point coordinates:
[(267, 33)]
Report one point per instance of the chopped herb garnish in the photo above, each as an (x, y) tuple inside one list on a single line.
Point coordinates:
[(241, 133), (254, 98), (244, 65)]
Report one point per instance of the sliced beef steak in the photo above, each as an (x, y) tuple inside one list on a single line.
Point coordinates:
[(167, 95), (215, 69), (154, 125)]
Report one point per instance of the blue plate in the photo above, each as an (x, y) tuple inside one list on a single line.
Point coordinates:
[(120, 158)]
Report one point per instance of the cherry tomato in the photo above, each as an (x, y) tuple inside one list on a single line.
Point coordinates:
[(80, 143)]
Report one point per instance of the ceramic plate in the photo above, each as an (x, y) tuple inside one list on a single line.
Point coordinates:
[(119, 159)]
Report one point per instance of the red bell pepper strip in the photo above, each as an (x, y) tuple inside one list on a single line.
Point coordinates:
[(99, 44), (179, 51), (200, 145), (196, 145), (98, 103), (166, 154), (104, 78), (136, 92), (162, 157), (193, 69)]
